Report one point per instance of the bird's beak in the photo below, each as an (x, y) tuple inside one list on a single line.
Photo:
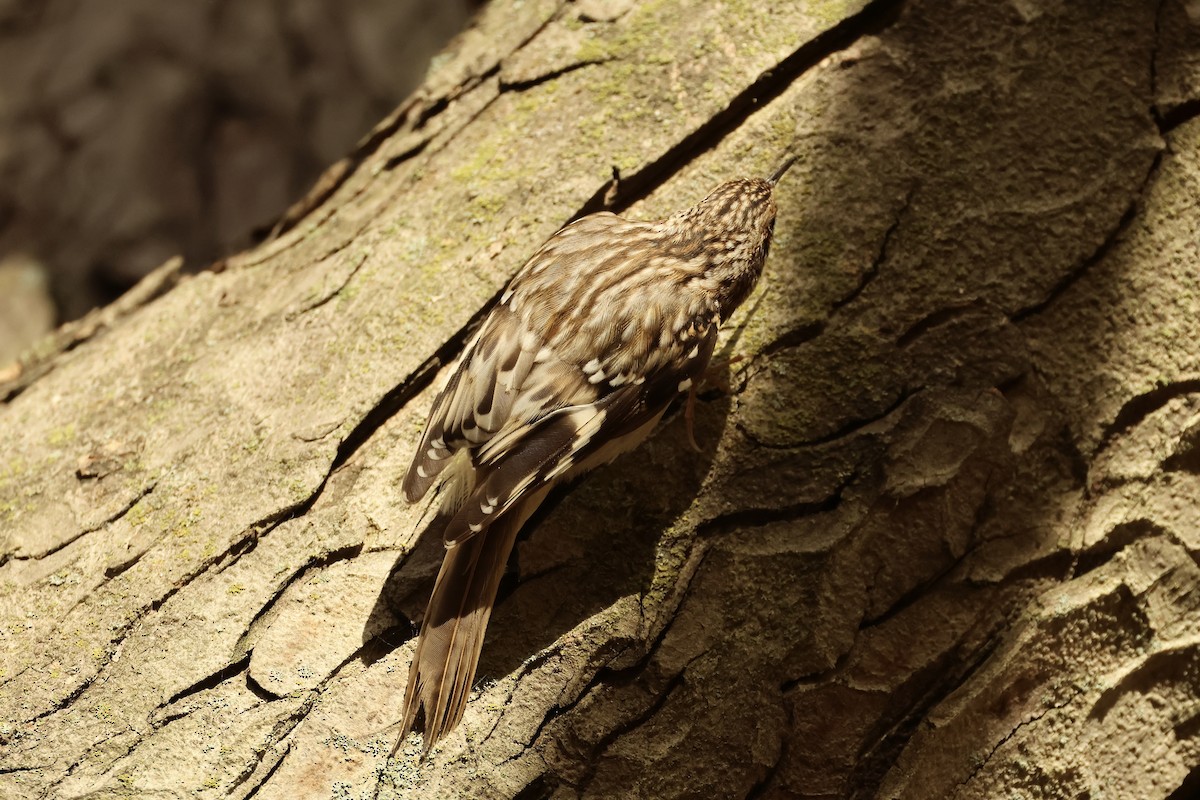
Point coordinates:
[(783, 167)]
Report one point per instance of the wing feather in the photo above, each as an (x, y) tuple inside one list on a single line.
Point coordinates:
[(477, 399), (568, 441)]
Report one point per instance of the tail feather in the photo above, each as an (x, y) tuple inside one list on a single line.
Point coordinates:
[(447, 654)]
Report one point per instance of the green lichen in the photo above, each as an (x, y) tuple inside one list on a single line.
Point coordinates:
[(14, 468), (486, 206), (349, 292), (158, 411), (593, 50), (831, 12), (782, 128), (297, 490), (529, 106), (62, 435), (138, 515), (641, 32), (485, 166)]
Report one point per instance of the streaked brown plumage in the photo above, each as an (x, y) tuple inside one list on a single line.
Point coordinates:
[(604, 326)]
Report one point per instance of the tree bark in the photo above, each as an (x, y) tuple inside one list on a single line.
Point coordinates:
[(942, 538)]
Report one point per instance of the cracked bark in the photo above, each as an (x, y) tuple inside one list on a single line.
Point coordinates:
[(942, 539)]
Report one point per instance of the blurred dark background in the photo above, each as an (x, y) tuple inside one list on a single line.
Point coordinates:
[(133, 130)]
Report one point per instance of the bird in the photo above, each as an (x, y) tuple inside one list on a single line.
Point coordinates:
[(604, 326)]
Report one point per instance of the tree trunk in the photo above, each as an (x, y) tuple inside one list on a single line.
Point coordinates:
[(942, 537)]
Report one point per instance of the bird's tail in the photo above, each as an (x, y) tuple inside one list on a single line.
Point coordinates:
[(456, 618)]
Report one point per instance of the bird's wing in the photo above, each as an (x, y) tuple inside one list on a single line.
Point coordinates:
[(569, 440), (561, 368), (479, 398), (488, 385)]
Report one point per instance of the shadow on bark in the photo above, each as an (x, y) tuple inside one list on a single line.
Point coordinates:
[(942, 197)]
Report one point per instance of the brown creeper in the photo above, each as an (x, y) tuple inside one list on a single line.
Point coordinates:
[(604, 326)]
